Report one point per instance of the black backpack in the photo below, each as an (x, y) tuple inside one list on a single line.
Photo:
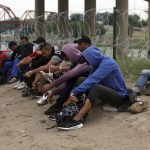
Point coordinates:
[(70, 110)]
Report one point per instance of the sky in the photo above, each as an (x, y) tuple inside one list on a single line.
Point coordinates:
[(20, 6)]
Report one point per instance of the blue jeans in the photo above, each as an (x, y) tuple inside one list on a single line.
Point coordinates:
[(143, 78), (11, 65), (15, 71)]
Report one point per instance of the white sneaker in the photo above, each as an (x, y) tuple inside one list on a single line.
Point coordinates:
[(21, 86), (107, 107), (42, 100), (18, 84)]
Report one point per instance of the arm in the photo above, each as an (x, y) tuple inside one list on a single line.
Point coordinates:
[(54, 61), (58, 90), (97, 77), (25, 60), (77, 71), (44, 68), (63, 67)]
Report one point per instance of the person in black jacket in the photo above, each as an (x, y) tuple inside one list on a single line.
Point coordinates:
[(24, 50), (47, 56)]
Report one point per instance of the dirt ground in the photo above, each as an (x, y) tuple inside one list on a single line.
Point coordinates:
[(23, 127)]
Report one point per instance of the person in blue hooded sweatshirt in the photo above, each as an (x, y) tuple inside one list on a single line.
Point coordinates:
[(105, 82)]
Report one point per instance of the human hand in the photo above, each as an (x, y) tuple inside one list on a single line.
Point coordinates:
[(73, 99)]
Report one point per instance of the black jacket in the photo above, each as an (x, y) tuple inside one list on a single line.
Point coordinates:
[(22, 51), (25, 50)]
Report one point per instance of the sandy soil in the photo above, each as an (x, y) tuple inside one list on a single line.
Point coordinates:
[(23, 127)]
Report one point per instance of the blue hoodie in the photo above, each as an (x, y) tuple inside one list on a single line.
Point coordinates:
[(104, 71)]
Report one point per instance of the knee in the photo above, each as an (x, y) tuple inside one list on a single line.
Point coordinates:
[(7, 64), (95, 88), (145, 72), (17, 60)]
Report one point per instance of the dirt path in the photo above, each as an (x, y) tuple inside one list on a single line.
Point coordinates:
[(23, 127)]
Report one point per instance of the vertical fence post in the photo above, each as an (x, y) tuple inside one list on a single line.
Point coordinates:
[(114, 33), (0, 41)]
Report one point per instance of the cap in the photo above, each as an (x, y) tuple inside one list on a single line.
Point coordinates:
[(84, 39), (40, 40)]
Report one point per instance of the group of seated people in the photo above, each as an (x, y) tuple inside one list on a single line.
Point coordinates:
[(78, 75)]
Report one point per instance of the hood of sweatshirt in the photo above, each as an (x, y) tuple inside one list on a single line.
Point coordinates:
[(71, 50)]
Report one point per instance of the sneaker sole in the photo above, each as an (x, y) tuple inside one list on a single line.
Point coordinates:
[(52, 119), (37, 96), (39, 104), (71, 128), (21, 88)]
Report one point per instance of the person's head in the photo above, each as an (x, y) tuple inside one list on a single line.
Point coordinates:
[(70, 52), (83, 43), (12, 45), (23, 40), (46, 50), (93, 56), (39, 41)]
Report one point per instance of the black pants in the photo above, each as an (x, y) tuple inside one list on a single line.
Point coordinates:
[(106, 95), (66, 93), (22, 70), (29, 81)]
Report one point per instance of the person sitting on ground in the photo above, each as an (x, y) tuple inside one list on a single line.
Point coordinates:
[(5, 55), (70, 54), (9, 64), (27, 60), (25, 49), (105, 83), (47, 56), (23, 65), (141, 82), (70, 77)]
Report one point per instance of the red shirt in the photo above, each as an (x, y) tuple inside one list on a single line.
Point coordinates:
[(33, 54), (3, 57)]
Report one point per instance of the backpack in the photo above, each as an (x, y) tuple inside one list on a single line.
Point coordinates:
[(70, 110)]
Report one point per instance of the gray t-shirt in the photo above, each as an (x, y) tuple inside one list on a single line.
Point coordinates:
[(57, 59)]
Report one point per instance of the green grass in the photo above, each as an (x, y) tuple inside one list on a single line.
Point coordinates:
[(131, 68)]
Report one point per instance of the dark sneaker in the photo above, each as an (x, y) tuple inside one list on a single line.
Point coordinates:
[(3, 81), (25, 90), (27, 94), (52, 117), (71, 125), (54, 109)]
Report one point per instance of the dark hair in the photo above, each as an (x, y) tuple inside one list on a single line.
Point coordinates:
[(40, 40), (84, 39), (24, 37), (11, 43), (45, 46), (62, 54)]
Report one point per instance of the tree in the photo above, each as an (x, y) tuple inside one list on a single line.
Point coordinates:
[(76, 17), (106, 18), (134, 20)]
